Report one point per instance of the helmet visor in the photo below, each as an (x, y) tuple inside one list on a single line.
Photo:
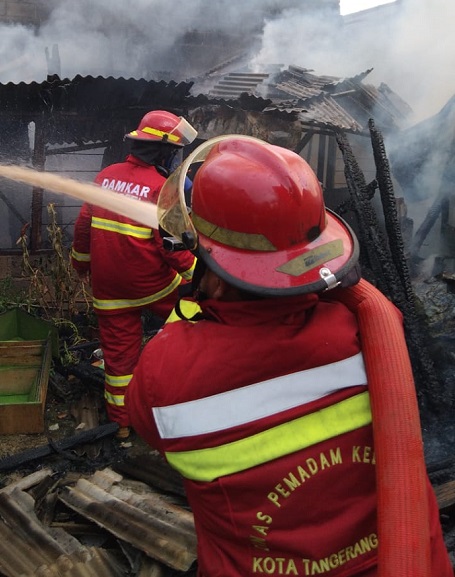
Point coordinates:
[(181, 135), (184, 131), (173, 213)]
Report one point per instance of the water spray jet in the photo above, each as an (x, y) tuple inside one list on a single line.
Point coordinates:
[(142, 212)]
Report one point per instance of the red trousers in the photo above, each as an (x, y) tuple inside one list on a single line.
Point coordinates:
[(121, 337)]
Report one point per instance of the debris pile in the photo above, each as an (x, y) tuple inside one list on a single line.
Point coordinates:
[(103, 525)]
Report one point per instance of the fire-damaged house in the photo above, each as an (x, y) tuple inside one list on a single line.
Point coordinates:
[(82, 122), (77, 506), (75, 127)]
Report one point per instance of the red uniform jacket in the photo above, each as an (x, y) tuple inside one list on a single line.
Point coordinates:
[(264, 409), (128, 264)]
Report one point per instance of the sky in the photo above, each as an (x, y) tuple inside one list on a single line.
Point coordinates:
[(350, 6)]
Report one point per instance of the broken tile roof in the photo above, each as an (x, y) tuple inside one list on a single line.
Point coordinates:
[(89, 109), (344, 104)]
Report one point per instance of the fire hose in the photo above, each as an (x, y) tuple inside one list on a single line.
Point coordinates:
[(402, 505)]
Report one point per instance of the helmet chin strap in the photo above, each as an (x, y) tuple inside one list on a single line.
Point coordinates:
[(199, 271), (192, 289)]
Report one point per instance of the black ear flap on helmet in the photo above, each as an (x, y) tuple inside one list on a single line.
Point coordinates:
[(352, 277)]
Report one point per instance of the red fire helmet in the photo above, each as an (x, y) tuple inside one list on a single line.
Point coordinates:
[(260, 220), (163, 126)]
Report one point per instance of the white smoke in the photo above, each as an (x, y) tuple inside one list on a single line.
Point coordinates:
[(409, 44), (122, 38)]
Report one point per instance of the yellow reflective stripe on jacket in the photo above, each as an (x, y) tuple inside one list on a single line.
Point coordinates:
[(108, 304), (212, 463), (118, 381), (121, 228), (117, 400), (80, 256), (188, 274)]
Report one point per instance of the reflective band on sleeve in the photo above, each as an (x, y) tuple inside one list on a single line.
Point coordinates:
[(121, 381), (80, 256), (188, 274), (259, 400), (121, 228), (209, 464), (116, 400)]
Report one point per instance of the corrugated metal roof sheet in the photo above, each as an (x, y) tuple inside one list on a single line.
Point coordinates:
[(28, 548), (88, 109), (158, 530), (148, 522), (365, 101), (236, 83), (99, 110), (96, 94), (302, 83)]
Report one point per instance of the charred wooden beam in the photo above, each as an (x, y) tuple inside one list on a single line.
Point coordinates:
[(154, 471), (87, 373), (374, 252), (387, 258), (389, 205), (25, 457), (445, 496), (424, 370)]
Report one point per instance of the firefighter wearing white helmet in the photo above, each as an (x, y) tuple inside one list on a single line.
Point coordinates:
[(129, 270), (262, 401)]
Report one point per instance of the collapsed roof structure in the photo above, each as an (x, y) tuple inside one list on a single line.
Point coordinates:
[(295, 108)]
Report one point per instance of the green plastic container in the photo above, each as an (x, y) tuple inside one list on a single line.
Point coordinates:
[(27, 345)]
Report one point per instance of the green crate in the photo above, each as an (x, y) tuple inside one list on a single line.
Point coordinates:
[(27, 345)]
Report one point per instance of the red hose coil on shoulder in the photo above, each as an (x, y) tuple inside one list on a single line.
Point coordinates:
[(403, 516)]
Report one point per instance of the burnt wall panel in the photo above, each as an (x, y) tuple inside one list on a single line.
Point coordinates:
[(32, 12)]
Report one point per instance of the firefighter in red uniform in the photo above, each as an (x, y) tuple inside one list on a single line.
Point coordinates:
[(265, 408), (128, 267)]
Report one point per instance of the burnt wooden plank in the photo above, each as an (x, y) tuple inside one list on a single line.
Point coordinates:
[(445, 495)]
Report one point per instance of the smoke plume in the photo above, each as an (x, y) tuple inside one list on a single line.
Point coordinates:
[(409, 44)]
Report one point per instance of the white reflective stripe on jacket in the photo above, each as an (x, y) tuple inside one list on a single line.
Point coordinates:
[(259, 400)]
